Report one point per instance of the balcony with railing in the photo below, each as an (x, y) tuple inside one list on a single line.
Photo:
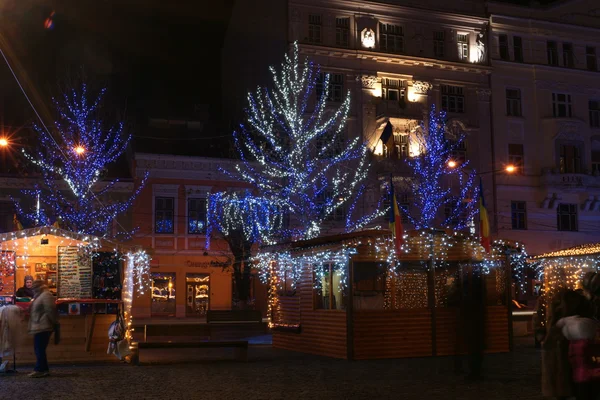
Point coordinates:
[(569, 180), (400, 109)]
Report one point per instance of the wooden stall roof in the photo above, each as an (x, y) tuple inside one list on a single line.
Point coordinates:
[(103, 244), (323, 241), (581, 250), (465, 248)]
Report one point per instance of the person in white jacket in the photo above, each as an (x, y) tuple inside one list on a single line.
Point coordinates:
[(580, 330)]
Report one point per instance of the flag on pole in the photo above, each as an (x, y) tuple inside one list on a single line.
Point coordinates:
[(395, 221), (18, 226), (484, 222), (387, 134)]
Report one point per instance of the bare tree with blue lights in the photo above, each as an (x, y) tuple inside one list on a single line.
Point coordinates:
[(73, 159), (433, 178), (243, 220)]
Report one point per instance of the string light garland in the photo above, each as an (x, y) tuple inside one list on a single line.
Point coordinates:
[(78, 156), (406, 283)]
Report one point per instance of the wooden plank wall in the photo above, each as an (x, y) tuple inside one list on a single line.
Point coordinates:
[(448, 334), (323, 332), (392, 333), (72, 344), (496, 329)]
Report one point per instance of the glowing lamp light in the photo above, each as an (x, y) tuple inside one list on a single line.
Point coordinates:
[(510, 168), (451, 164), (3, 142), (79, 150)]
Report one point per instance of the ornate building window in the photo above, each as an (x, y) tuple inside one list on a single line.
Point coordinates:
[(453, 99), (401, 143), (561, 105), (462, 40), (518, 48), (314, 28), (393, 89), (566, 217), (164, 209), (439, 44), (552, 51), (516, 156), (569, 158), (590, 58), (196, 215), (342, 32), (596, 156), (518, 215), (503, 46), (513, 102), (391, 38), (568, 59), (454, 133), (336, 86), (594, 109)]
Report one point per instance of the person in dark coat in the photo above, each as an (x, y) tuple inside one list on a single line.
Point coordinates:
[(557, 381), (26, 290), (474, 311)]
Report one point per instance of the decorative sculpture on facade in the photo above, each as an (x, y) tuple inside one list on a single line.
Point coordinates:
[(422, 87), (480, 42), (367, 38)]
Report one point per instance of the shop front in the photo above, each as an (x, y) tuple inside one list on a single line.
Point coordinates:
[(92, 280), (185, 286)]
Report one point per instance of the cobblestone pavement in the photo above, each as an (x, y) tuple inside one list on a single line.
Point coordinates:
[(274, 374)]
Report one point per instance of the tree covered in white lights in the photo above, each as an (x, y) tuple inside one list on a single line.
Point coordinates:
[(443, 187), (243, 220), (293, 150), (72, 156)]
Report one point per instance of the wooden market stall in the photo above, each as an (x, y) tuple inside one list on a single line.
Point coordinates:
[(399, 308), (563, 269), (85, 273)]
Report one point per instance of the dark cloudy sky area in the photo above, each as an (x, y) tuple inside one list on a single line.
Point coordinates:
[(162, 56)]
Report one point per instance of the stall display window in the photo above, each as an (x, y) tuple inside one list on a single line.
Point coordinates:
[(163, 294), (7, 277), (107, 277), (369, 285), (330, 293)]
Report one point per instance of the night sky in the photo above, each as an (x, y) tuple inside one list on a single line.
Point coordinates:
[(157, 57), (162, 58)]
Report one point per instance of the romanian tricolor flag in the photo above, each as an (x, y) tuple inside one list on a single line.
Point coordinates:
[(484, 222), (387, 135), (18, 226), (395, 221)]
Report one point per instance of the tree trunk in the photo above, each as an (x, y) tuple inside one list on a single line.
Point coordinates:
[(242, 267)]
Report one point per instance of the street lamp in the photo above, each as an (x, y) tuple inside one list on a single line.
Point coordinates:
[(4, 142), (79, 150), (510, 168)]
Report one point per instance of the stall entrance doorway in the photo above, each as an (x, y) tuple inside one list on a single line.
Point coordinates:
[(197, 290)]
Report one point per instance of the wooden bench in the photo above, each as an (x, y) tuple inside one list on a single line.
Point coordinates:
[(233, 316), (240, 346)]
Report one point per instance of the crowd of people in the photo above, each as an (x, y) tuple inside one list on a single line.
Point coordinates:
[(571, 351)]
